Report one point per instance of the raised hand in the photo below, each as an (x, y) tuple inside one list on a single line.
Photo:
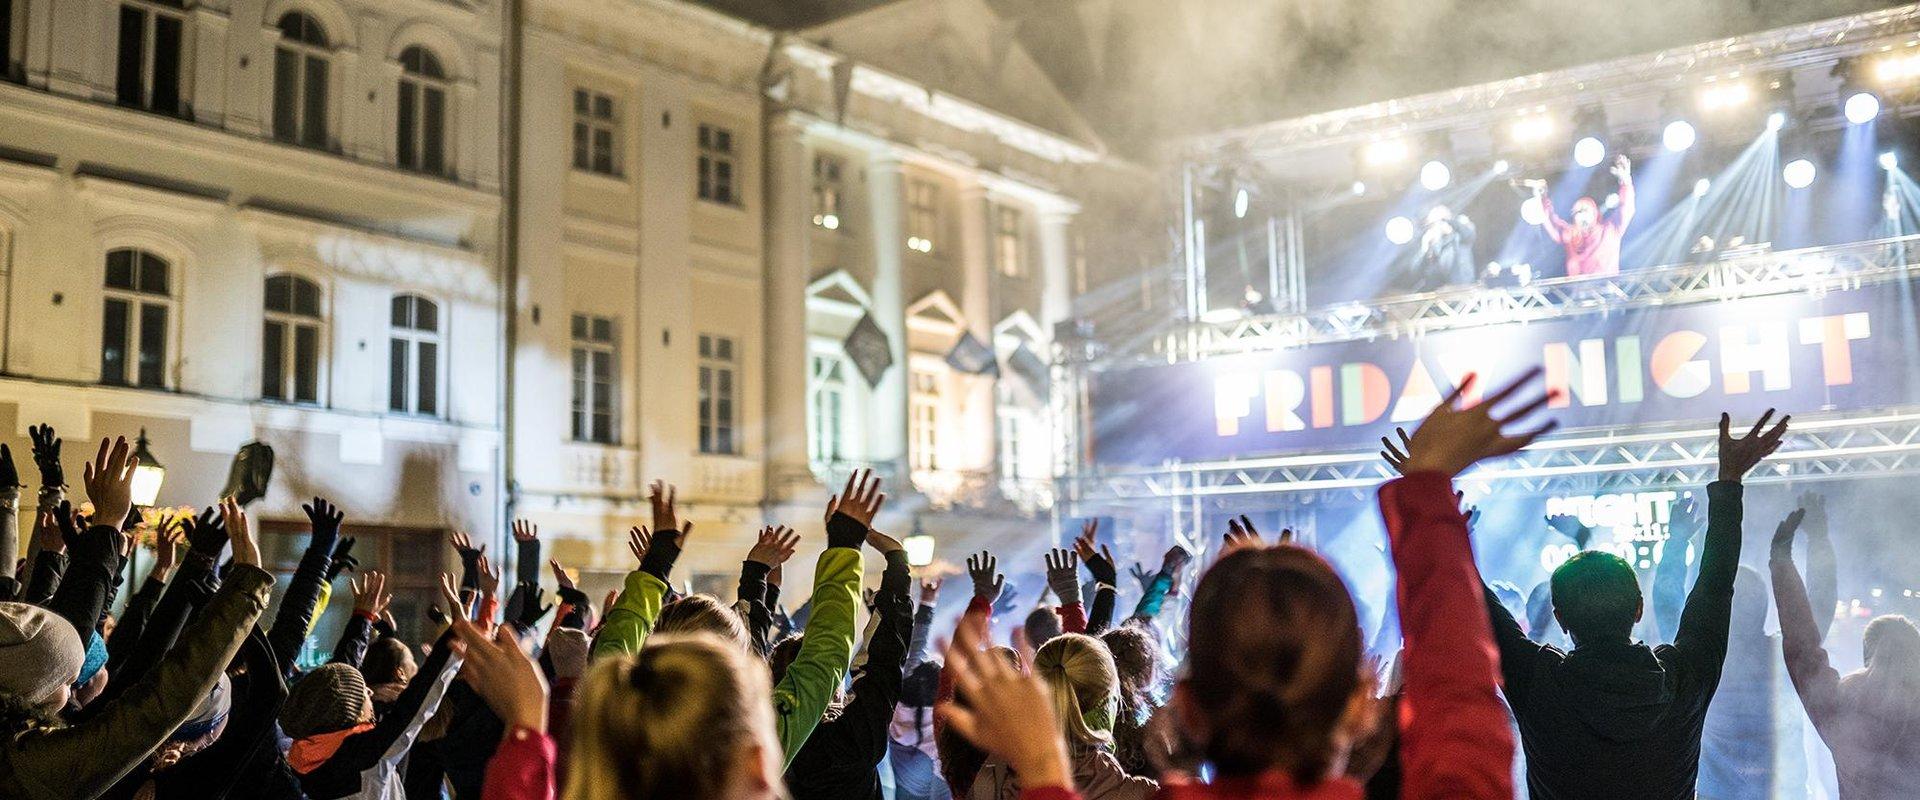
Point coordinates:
[(639, 541), (1396, 454), (370, 594), (850, 514), (325, 518), (1622, 169), (884, 544), (988, 583), (560, 576), (1005, 712), (1569, 526), (1241, 534), (489, 579), (498, 669), (343, 559), (464, 546), (774, 547), (1100, 562), (1063, 575), (530, 609), (1453, 439), (9, 474), (48, 534), (46, 456), (240, 532), (109, 479), (207, 534), (1175, 558), (1815, 504), (930, 591), (1739, 456), (524, 531), (166, 548), (1783, 534), (666, 520)]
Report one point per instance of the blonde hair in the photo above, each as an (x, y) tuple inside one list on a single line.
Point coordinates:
[(1079, 671), (698, 613), (668, 721)]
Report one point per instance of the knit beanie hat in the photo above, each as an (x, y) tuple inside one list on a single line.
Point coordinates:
[(212, 711), (333, 697), (567, 651), (39, 652), (95, 661)]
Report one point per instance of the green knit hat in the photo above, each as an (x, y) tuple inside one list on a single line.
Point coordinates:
[(331, 698)]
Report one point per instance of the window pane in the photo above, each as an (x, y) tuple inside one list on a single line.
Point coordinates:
[(120, 269), (133, 36), (166, 64), (433, 154), (603, 151), (401, 311), (397, 375), (286, 95), (582, 147), (603, 106), (273, 353), (153, 344), (429, 378), (306, 360), (306, 297), (581, 104), (602, 329), (579, 393), (426, 315), (313, 113), (405, 153), (153, 273), (113, 343), (579, 326)]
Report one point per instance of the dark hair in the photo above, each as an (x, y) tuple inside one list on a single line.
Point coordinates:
[(696, 613), (1136, 656), (383, 661), (921, 685), (1597, 597), (782, 656), (1042, 625), (1273, 663)]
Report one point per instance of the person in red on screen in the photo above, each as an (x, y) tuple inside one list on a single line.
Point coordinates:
[(1592, 239), (1276, 690)]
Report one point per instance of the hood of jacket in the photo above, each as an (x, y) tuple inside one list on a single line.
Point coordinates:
[(1618, 691)]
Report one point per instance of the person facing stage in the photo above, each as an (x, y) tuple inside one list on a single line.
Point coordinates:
[(1446, 251), (1592, 240)]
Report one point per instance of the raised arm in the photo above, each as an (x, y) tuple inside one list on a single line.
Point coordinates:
[(1555, 227), (294, 618), (827, 649), (876, 686), (1702, 635), (1823, 578), (1670, 576), (628, 621), (1063, 577), (94, 556), (1106, 577), (370, 601), (774, 546), (1454, 735), (922, 624), (1623, 172), (1812, 672)]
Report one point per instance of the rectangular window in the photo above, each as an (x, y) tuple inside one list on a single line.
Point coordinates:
[(593, 379), (1009, 243), (291, 341), (923, 214), (826, 191), (148, 71), (925, 421), (595, 129), (413, 366), (719, 395), (133, 322), (113, 342), (716, 165), (1010, 430), (826, 435)]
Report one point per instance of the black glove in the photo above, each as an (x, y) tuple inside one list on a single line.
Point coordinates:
[(46, 455), (343, 559), (845, 531), (1102, 569), (529, 606), (207, 535), (9, 474), (325, 518)]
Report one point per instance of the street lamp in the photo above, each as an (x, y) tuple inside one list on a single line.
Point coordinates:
[(148, 474), (919, 546)]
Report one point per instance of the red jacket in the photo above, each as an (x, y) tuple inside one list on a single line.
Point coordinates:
[(1454, 739)]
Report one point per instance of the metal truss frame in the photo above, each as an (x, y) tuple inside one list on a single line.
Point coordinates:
[(1584, 462), (1814, 269)]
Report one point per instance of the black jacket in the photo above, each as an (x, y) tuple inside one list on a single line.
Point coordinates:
[(841, 760), (1621, 719)]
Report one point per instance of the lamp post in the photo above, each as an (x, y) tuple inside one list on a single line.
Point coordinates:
[(919, 546), (148, 474)]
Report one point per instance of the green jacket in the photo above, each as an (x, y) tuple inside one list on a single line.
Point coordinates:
[(84, 760), (825, 654)]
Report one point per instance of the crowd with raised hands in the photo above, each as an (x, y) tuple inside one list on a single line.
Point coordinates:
[(1253, 677)]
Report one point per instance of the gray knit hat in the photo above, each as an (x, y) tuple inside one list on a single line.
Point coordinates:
[(332, 697), (567, 651), (39, 652)]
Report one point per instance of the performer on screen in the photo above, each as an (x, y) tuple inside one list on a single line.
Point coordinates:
[(1446, 251), (1592, 240)]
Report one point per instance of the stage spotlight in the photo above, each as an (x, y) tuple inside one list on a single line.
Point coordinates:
[(1533, 212), (1721, 96), (1889, 161), (1862, 107), (1359, 188), (1240, 201), (1399, 230), (1589, 152), (1531, 128), (1798, 173), (1385, 152), (1435, 176), (1776, 120), (1500, 167), (1678, 136), (1701, 187), (1897, 69)]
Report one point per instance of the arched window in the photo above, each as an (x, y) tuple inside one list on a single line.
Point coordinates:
[(413, 373), (133, 322), (422, 125), (291, 341), (300, 78), (151, 55)]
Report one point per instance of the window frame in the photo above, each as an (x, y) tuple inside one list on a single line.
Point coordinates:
[(411, 336), (1010, 240), (588, 124), (827, 379), (924, 394), (923, 215), (292, 322), (148, 78), (718, 395), (419, 84), (829, 190), (582, 350), (137, 300), (304, 53), (718, 166)]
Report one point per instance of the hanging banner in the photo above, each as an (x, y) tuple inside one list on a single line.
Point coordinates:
[(1802, 353)]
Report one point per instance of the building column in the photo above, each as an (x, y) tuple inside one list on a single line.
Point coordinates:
[(979, 405), (1056, 268), (788, 267), (887, 438)]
